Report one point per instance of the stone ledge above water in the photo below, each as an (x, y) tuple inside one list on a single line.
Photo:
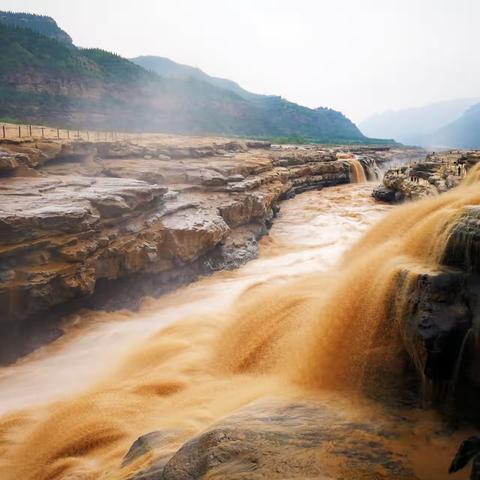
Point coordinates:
[(74, 214)]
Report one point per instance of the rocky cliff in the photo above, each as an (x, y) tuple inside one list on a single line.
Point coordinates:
[(442, 316), (76, 216)]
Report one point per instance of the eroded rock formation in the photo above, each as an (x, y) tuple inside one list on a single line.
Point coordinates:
[(437, 173), (74, 215)]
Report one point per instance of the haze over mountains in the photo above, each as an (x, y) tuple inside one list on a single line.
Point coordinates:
[(44, 78), (168, 68), (462, 133), (444, 124)]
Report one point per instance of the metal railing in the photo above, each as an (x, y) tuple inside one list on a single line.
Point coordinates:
[(14, 131)]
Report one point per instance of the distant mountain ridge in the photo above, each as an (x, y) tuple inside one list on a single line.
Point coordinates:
[(168, 68), (414, 125), (38, 23), (44, 78), (333, 121), (462, 133)]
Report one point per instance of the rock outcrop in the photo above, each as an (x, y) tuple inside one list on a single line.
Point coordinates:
[(437, 173), (277, 439), (76, 216), (60, 234), (442, 318)]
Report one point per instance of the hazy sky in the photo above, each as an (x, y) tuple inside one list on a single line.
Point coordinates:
[(357, 56)]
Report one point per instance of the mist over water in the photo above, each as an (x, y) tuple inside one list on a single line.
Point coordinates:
[(300, 321)]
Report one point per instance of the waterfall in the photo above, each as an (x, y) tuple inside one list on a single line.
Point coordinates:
[(320, 331), (358, 173)]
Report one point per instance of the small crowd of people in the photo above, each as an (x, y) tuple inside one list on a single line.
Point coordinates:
[(460, 168), (419, 180)]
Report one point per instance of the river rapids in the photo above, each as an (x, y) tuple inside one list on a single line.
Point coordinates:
[(302, 321)]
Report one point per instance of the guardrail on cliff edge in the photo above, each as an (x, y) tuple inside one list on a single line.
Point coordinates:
[(13, 131)]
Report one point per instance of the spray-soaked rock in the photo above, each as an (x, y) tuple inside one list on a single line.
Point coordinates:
[(463, 247), (439, 328), (158, 444), (386, 194), (468, 450), (400, 185), (439, 315), (278, 440)]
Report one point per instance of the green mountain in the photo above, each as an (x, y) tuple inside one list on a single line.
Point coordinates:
[(38, 23), (291, 120), (168, 68), (44, 80), (462, 133)]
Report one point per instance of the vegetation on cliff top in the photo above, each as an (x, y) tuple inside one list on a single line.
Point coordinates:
[(24, 50), (169, 69), (46, 80), (38, 23)]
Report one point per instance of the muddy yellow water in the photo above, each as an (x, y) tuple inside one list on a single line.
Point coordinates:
[(303, 321)]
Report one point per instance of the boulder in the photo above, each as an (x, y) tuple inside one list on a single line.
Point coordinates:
[(277, 439), (388, 195)]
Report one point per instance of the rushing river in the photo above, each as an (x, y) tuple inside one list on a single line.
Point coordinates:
[(116, 375), (309, 235)]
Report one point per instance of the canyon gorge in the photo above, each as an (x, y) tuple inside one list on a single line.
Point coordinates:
[(217, 260), (181, 307), (77, 215)]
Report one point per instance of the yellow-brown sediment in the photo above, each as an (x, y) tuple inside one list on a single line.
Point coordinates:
[(316, 332)]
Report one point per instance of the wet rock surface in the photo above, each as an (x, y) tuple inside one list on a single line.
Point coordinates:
[(463, 247), (439, 330), (439, 314), (443, 315), (278, 439)]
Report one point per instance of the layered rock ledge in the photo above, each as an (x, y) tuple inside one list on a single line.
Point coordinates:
[(76, 216)]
